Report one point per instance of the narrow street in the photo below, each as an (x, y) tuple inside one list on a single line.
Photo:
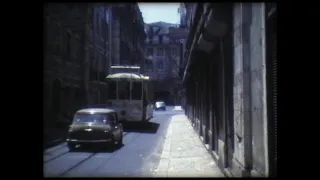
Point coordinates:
[(145, 153)]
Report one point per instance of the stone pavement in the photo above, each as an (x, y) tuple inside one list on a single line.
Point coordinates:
[(183, 154)]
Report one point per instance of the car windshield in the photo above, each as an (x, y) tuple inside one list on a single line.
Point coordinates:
[(90, 118)]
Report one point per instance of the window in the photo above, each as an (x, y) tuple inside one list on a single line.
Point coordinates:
[(160, 64), (96, 60), (68, 46), (106, 32), (160, 39), (123, 90), (107, 14), (103, 66), (97, 23), (166, 39), (78, 93), (91, 11), (102, 26), (174, 51), (149, 64), (136, 93), (150, 52), (91, 58), (112, 90), (160, 52), (155, 40)]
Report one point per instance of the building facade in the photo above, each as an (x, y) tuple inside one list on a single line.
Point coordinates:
[(163, 53), (230, 81), (128, 35), (82, 41), (98, 52), (68, 30)]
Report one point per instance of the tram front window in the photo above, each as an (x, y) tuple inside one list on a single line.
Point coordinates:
[(123, 90), (136, 93), (112, 90)]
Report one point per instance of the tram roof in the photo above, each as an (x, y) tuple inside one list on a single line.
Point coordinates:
[(127, 76), (129, 67)]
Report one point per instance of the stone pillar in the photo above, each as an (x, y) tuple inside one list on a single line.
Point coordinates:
[(201, 100), (258, 95), (197, 104), (222, 103), (242, 161), (205, 107), (210, 99)]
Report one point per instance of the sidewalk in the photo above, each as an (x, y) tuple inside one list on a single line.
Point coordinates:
[(183, 154), (177, 108)]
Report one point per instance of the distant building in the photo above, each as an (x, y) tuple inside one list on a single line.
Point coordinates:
[(164, 52)]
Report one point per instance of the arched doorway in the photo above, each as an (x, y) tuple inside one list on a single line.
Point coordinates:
[(164, 96), (56, 95)]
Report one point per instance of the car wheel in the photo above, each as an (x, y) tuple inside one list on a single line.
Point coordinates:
[(71, 146)]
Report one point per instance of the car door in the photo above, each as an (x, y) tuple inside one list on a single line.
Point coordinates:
[(117, 128)]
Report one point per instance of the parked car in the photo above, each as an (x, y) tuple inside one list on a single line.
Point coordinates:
[(160, 105), (95, 126)]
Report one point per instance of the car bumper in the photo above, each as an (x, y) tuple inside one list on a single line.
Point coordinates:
[(88, 141)]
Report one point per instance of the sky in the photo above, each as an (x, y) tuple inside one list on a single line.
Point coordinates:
[(165, 12)]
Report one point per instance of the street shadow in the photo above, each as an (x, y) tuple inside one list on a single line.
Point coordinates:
[(149, 127), (96, 149)]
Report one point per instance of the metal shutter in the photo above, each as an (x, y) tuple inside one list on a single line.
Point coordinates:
[(274, 98), (272, 93)]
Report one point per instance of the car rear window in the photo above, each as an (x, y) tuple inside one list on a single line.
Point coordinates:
[(90, 118)]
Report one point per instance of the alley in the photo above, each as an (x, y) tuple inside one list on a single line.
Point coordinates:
[(142, 155)]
